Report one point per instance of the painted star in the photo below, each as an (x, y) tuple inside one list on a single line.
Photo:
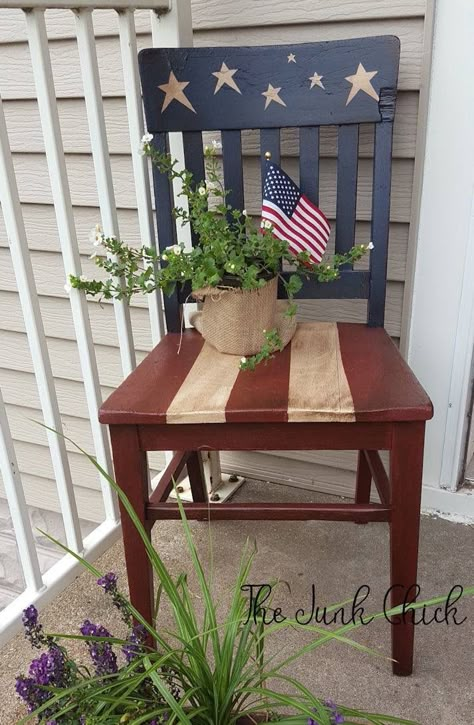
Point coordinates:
[(292, 58), (271, 94), (224, 76), (174, 92), (361, 82), (316, 80)]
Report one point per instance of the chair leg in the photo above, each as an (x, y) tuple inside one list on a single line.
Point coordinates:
[(406, 468), (131, 474), (196, 477), (363, 483)]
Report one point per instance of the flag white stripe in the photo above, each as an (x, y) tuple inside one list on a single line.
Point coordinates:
[(319, 232), (276, 216), (313, 212), (297, 218), (291, 224)]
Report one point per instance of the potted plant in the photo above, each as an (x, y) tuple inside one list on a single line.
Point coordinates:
[(207, 669), (234, 268)]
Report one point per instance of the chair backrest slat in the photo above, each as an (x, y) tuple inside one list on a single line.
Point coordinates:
[(380, 222), (233, 172), (309, 162), (347, 164), (194, 162), (165, 226), (269, 141)]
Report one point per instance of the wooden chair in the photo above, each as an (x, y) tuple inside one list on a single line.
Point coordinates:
[(198, 399)]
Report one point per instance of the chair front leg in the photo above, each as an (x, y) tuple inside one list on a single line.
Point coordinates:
[(196, 476), (406, 468), (131, 474)]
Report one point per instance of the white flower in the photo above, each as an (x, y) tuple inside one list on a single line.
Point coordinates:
[(164, 257), (96, 235), (370, 246), (177, 249), (83, 278), (216, 144), (147, 138), (245, 212), (182, 274), (243, 359), (232, 266), (264, 332), (202, 190), (266, 224), (67, 288)]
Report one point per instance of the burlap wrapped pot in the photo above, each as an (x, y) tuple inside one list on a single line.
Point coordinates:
[(233, 320)]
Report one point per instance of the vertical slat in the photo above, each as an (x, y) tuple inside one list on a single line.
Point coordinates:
[(194, 162), (233, 172), (128, 47), (43, 76), (380, 222), (309, 162), (347, 161), (36, 338), (103, 171), (269, 141), (166, 229), (17, 506)]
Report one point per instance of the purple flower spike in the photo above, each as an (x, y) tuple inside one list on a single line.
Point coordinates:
[(33, 630), (135, 642), (102, 654), (108, 582)]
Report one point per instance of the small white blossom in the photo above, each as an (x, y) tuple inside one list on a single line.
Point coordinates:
[(164, 257), (147, 138), (216, 144), (243, 359), (202, 190), (232, 266), (264, 332), (266, 224), (245, 212), (83, 278), (96, 235), (67, 288), (370, 246), (182, 274)]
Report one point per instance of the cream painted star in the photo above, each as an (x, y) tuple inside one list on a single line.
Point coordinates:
[(174, 92), (225, 76), (316, 80), (292, 58), (361, 82), (271, 94)]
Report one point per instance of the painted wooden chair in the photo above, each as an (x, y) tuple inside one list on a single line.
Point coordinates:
[(198, 399)]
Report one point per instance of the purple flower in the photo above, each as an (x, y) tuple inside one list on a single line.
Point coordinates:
[(49, 668), (336, 717), (102, 654), (33, 630), (135, 642), (108, 582)]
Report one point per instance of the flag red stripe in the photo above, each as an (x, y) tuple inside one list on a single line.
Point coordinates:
[(307, 228), (319, 233), (292, 225), (290, 233), (313, 209)]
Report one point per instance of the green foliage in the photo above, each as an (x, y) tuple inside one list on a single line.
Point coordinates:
[(217, 664), (272, 344), (229, 244)]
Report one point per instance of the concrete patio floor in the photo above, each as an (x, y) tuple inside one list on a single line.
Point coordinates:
[(337, 558)]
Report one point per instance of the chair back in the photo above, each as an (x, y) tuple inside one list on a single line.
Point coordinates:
[(304, 86)]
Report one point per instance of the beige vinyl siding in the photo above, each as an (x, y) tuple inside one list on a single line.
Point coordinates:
[(220, 23)]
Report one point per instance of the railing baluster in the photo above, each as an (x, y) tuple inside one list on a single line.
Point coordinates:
[(128, 46), (17, 505), (36, 338), (43, 76), (103, 171)]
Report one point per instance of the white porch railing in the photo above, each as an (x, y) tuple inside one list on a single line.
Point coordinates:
[(168, 26)]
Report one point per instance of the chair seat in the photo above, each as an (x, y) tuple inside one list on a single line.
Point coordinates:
[(330, 372)]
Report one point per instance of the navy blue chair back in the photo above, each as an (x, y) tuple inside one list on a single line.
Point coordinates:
[(267, 88)]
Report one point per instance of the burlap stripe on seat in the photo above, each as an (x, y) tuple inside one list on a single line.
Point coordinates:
[(306, 382)]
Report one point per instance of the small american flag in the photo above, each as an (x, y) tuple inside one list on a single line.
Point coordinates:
[(294, 218)]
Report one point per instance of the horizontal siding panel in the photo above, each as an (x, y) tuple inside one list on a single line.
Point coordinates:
[(16, 75), (41, 493), (229, 13), (23, 121), (32, 175), (61, 24), (20, 389), (410, 32)]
